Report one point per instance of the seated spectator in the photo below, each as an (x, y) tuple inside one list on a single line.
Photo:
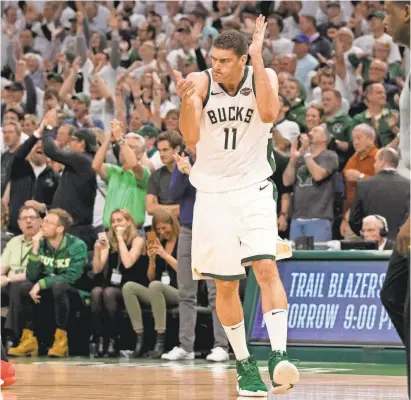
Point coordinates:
[(361, 164), (184, 193), (305, 61), (127, 185), (76, 192), (310, 171), (55, 265), (162, 274), (382, 119), (375, 227), (117, 260), (317, 44), (386, 193), (168, 144), (32, 182), (171, 120), (13, 269)]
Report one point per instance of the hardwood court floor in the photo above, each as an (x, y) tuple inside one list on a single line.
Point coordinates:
[(82, 379)]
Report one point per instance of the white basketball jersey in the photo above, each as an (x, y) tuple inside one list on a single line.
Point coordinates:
[(232, 150)]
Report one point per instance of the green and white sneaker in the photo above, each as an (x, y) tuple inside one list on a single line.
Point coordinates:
[(283, 373), (249, 379)]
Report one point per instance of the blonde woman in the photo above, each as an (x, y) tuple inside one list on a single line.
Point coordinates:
[(118, 259), (162, 274)]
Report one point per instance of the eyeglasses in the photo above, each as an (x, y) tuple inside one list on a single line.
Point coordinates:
[(28, 218)]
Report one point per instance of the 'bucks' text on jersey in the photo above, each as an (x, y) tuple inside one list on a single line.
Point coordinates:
[(232, 150)]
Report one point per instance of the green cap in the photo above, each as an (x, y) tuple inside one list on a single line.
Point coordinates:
[(148, 130), (82, 98), (377, 14)]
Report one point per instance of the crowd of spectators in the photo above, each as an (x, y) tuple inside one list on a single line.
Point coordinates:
[(97, 205)]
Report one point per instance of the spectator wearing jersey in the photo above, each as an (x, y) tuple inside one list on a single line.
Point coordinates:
[(127, 185), (13, 269), (310, 171), (168, 144)]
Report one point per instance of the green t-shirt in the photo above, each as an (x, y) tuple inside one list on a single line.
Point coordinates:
[(124, 190), (340, 127)]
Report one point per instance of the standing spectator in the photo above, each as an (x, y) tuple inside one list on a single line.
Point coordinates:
[(375, 227), (314, 116), (81, 110), (318, 44), (292, 93), (32, 182), (184, 193), (64, 135), (127, 185), (386, 193), (339, 125), (11, 138), (310, 171), (383, 119), (168, 144), (55, 265), (306, 62), (361, 164), (117, 260), (13, 269), (150, 134), (77, 189), (280, 46)]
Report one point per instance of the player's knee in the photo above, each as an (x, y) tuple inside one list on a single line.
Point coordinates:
[(266, 272), (226, 288)]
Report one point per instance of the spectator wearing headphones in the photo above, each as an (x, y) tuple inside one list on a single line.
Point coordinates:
[(375, 227)]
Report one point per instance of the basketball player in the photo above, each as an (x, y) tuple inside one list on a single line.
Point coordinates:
[(395, 293), (8, 376), (227, 112)]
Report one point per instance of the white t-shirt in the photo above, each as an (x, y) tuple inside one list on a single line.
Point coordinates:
[(288, 129), (366, 43), (172, 57), (165, 107), (282, 46)]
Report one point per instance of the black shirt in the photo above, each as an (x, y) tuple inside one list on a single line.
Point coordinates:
[(78, 184), (281, 163), (162, 266), (137, 273), (6, 161), (158, 185)]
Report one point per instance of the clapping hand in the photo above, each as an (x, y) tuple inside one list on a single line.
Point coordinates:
[(116, 130)]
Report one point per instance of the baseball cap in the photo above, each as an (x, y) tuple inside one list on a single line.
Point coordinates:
[(89, 138), (15, 87), (301, 38), (377, 14), (148, 130), (82, 98)]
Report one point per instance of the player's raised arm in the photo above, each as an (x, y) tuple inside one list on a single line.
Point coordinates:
[(267, 100), (191, 92)]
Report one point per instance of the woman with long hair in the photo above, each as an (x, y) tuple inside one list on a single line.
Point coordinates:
[(314, 116), (162, 274), (118, 259)]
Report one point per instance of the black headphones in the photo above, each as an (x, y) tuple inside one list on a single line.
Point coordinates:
[(384, 230)]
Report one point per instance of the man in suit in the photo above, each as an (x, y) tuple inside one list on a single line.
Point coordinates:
[(386, 193), (375, 227)]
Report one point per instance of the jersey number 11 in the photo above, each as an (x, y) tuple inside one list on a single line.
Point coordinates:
[(227, 137)]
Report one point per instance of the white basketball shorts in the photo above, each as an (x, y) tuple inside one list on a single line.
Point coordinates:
[(232, 229)]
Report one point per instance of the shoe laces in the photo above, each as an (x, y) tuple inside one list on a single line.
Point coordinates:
[(253, 374), (284, 355)]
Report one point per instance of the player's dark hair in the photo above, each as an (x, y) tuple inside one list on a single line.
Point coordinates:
[(232, 40)]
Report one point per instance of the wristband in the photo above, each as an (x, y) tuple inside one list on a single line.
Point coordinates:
[(37, 135), (283, 214), (307, 154)]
